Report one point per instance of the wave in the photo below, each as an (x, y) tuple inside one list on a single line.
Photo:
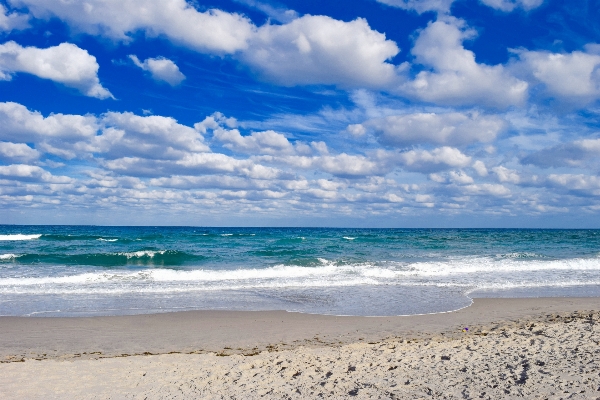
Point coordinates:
[(107, 240), (133, 258), (69, 238), (5, 257), (475, 266), (472, 274), (19, 236)]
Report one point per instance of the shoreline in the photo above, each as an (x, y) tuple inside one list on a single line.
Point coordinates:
[(545, 348), (245, 332)]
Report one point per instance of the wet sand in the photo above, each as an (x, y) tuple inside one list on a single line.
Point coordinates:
[(532, 348)]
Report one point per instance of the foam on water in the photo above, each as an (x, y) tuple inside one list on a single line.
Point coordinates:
[(340, 271), (470, 274), (142, 253), (19, 237)]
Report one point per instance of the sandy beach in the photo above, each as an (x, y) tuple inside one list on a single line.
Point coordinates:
[(546, 348)]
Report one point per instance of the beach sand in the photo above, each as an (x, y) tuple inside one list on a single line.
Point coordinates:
[(546, 348)]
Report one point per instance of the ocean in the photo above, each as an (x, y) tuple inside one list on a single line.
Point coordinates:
[(94, 270)]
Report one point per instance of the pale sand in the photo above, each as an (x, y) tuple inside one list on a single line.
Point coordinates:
[(532, 348)]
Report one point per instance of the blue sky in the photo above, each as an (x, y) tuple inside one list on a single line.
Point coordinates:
[(367, 113)]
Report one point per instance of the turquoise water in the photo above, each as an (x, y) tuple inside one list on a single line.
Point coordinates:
[(86, 270)]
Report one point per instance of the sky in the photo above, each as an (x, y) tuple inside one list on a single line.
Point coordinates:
[(356, 113)]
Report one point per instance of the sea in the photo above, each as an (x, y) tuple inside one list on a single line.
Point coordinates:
[(96, 270)]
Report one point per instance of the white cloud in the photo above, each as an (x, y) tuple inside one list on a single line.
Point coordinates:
[(32, 173), (10, 21), (460, 177), (213, 31), (346, 165), (161, 69), (575, 182), (492, 189), (420, 6), (450, 128), (18, 124), (443, 6), (66, 64), (113, 134), (279, 14), (567, 154), (455, 77), (268, 142), (306, 50), (393, 198), (215, 163), (435, 160), (157, 163), (17, 152), (356, 129), (322, 50), (506, 175), (480, 168), (571, 76), (215, 121), (156, 137), (510, 5)]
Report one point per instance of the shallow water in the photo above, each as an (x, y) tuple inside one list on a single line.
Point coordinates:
[(85, 270)]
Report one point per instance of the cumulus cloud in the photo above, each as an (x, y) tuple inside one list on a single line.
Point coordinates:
[(572, 76), (575, 182), (161, 69), (492, 189), (506, 175), (455, 177), (66, 64), (18, 124), (17, 152), (443, 6), (571, 154), (10, 21), (157, 137), (113, 134), (305, 50), (31, 173), (460, 178), (420, 6), (346, 165), (224, 132), (125, 143), (435, 160), (218, 163), (322, 50), (510, 5), (279, 14), (454, 77), (144, 161), (480, 168), (212, 31), (450, 128), (267, 142)]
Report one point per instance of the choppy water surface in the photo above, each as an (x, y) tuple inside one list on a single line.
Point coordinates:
[(81, 270)]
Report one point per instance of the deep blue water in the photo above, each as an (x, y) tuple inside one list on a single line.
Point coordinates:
[(88, 270)]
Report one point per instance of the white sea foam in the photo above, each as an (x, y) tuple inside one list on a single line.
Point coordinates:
[(4, 257), (107, 240), (19, 237), (349, 238), (142, 253), (469, 274)]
